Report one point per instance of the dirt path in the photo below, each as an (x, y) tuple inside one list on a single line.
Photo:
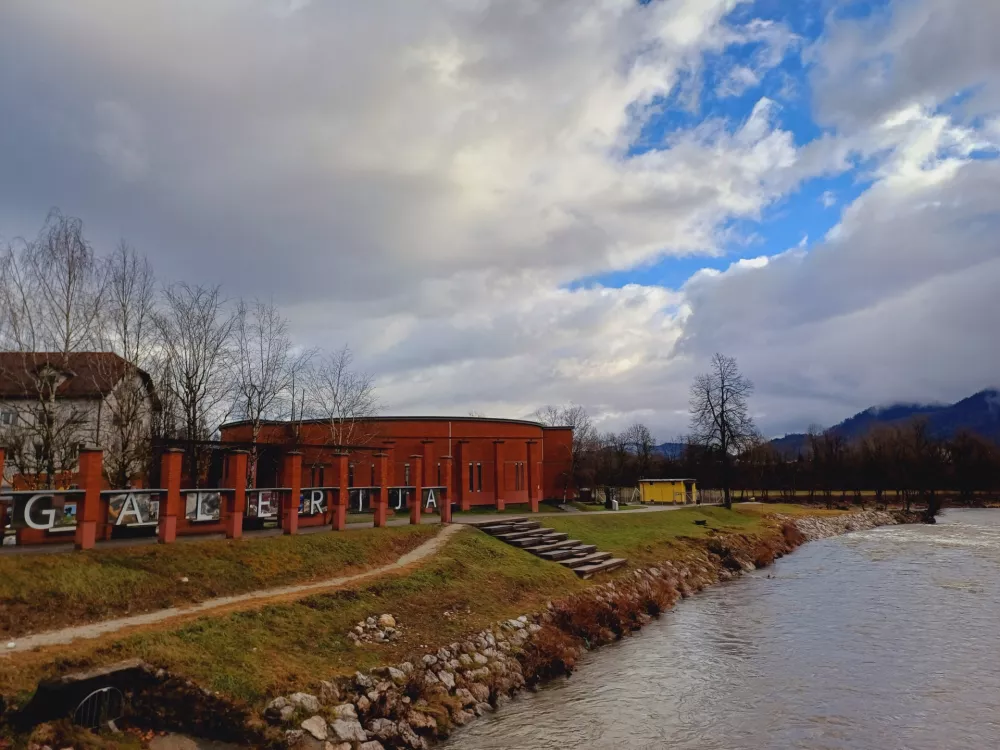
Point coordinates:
[(226, 603)]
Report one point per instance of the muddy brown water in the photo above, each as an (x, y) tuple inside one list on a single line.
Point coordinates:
[(881, 639)]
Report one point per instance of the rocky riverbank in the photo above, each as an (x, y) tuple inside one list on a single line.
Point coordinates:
[(414, 703)]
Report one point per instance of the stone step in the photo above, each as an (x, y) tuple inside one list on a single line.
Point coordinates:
[(602, 567), (568, 552), (549, 546), (506, 528), (530, 541), (510, 536), (547, 539), (484, 525), (589, 559)]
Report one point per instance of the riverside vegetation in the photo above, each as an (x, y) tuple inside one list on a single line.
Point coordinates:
[(290, 674)]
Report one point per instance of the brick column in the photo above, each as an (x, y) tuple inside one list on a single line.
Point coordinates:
[(462, 494), (291, 478), (446, 466), (236, 476), (3, 506), (534, 486), (342, 497), (430, 465), (88, 509), (381, 499), (498, 484), (416, 506), (170, 502)]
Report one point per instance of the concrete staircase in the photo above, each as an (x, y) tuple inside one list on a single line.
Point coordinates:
[(583, 559)]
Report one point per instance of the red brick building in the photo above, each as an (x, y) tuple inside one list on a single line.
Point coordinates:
[(491, 460)]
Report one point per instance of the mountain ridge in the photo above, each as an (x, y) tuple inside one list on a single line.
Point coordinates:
[(979, 413)]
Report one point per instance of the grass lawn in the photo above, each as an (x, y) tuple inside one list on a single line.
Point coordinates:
[(646, 538), (46, 591), (474, 581), (594, 507)]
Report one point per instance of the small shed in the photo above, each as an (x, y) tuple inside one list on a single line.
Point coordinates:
[(672, 491)]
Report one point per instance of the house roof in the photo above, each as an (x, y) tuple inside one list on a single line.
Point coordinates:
[(87, 374)]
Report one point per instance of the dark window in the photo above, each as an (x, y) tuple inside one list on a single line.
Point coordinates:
[(439, 482), (350, 475), (479, 477), (6, 417), (472, 479), (373, 476), (406, 475)]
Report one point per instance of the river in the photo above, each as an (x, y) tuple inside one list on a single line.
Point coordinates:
[(882, 639)]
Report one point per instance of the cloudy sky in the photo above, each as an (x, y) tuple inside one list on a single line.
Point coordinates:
[(504, 203)]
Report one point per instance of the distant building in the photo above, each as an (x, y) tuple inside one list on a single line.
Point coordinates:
[(510, 460), (52, 404)]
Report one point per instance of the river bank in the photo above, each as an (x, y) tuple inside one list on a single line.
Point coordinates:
[(416, 700)]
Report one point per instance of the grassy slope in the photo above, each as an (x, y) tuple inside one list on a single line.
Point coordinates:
[(474, 581), (250, 655), (646, 538), (45, 591)]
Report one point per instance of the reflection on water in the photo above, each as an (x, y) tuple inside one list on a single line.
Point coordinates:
[(881, 639)]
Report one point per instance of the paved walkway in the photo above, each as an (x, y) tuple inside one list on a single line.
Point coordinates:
[(240, 601)]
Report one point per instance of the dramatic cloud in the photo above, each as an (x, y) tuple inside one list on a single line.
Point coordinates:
[(429, 181)]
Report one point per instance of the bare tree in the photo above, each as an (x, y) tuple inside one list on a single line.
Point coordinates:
[(195, 332), (343, 398), (640, 440), (266, 364), (50, 307), (720, 417), (585, 438), (130, 332)]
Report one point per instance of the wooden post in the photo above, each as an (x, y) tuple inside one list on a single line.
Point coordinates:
[(89, 508), (170, 503), (382, 496), (343, 495), (291, 479), (236, 475), (418, 488), (498, 483), (534, 488), (446, 466)]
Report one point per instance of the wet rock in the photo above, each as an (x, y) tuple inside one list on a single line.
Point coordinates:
[(316, 726), (421, 722), (480, 692)]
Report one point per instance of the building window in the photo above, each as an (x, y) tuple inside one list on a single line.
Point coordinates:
[(350, 475), (6, 417), (472, 478), (373, 476), (479, 477), (439, 482), (406, 475)]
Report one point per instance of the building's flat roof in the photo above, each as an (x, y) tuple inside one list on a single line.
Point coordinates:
[(410, 419)]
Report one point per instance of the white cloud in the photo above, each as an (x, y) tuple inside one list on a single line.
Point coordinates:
[(828, 199), (425, 182)]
